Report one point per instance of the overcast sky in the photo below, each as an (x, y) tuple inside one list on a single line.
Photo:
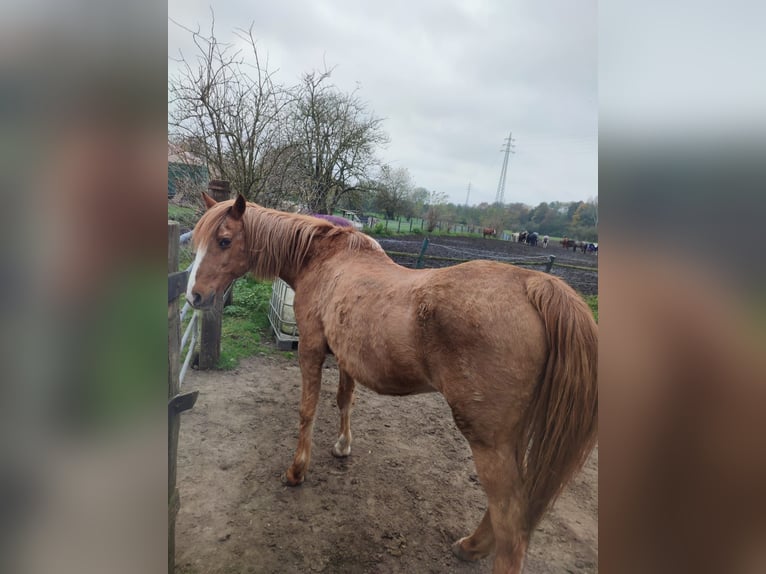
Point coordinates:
[(451, 78)]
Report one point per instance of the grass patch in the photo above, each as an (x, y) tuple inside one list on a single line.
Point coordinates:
[(245, 327), (592, 301), (186, 216)]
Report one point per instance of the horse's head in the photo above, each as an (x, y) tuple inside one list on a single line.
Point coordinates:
[(221, 256)]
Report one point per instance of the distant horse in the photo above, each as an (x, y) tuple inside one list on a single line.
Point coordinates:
[(523, 237), (527, 405), (566, 243), (532, 238), (592, 248), (545, 241), (489, 231)]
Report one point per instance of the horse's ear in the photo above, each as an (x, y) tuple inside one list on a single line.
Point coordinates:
[(238, 209), (209, 201)]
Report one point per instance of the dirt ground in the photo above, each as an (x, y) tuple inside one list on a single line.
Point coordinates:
[(408, 490)]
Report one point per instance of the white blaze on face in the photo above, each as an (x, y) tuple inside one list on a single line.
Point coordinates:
[(193, 273)]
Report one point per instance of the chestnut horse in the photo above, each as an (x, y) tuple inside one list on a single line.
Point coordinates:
[(491, 231), (513, 351)]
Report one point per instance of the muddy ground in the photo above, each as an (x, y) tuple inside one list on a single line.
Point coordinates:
[(582, 280), (408, 490)]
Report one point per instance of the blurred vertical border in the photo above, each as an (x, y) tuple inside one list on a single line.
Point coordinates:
[(82, 416), (682, 377)]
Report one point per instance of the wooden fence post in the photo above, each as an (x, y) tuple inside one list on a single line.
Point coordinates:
[(174, 351), (549, 265), (210, 336), (419, 262), (219, 189)]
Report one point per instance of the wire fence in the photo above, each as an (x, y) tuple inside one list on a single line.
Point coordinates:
[(468, 254)]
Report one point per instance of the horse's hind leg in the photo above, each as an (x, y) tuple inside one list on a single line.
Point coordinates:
[(477, 545), (498, 472), (345, 399)]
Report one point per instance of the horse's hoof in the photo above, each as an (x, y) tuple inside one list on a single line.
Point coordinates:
[(338, 453), (287, 481), (467, 555)]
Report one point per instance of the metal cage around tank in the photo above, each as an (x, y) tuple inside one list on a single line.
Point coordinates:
[(282, 316)]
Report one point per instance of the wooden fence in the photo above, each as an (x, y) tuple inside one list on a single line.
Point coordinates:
[(204, 328)]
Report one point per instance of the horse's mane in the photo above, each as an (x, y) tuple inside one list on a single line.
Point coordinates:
[(276, 240)]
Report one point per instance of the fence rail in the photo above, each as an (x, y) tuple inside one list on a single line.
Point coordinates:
[(548, 260), (190, 336)]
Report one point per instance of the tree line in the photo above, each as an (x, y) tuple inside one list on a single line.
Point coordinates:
[(394, 195), (313, 145)]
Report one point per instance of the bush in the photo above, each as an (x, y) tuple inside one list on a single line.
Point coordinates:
[(380, 229)]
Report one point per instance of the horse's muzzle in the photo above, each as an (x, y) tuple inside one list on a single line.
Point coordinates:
[(198, 302)]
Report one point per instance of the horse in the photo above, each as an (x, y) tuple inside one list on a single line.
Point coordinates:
[(532, 238), (545, 241), (491, 231), (566, 243), (523, 237), (528, 406)]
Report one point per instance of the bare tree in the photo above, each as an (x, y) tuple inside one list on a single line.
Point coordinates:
[(392, 190), (593, 200), (334, 139), (228, 109), (436, 202)]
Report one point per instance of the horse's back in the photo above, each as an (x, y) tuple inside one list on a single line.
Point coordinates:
[(482, 301), (396, 329)]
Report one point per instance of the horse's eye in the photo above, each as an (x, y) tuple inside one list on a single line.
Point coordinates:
[(224, 243)]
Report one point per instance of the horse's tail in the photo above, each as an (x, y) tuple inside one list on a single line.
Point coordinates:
[(559, 427)]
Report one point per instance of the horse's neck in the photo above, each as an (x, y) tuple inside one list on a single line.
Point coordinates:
[(316, 251), (323, 258)]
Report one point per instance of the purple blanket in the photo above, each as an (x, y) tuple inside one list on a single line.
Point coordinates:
[(334, 219)]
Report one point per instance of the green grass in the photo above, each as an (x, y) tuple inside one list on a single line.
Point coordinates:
[(380, 230), (245, 327), (592, 301), (185, 216)]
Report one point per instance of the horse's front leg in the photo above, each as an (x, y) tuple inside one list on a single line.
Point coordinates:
[(345, 399), (311, 373)]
